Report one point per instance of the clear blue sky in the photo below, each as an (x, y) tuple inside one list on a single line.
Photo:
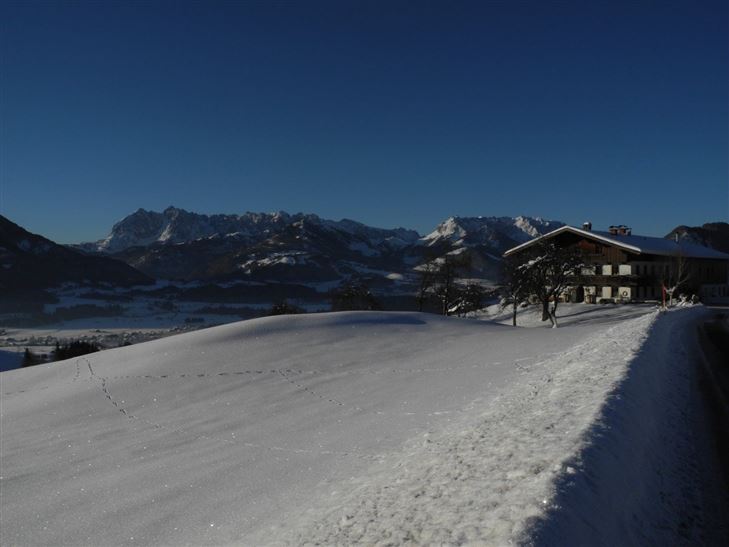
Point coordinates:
[(391, 113)]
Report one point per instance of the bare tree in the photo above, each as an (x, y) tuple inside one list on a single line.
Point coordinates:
[(676, 274), (440, 281), (446, 290), (549, 269), (428, 274), (515, 285), (469, 299)]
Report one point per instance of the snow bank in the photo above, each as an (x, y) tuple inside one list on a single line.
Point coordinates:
[(567, 313), (644, 473)]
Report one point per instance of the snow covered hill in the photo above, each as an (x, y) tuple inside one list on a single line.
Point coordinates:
[(359, 427)]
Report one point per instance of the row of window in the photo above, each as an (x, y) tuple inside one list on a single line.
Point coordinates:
[(650, 292), (625, 269), (631, 293), (703, 272)]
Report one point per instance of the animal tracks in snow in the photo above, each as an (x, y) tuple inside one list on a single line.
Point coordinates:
[(310, 391), (104, 385), (518, 363), (85, 371)]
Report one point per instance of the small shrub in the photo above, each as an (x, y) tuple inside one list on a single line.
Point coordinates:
[(354, 296), (284, 308), (30, 359)]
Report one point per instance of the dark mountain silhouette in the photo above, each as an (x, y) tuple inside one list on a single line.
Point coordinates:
[(30, 261), (711, 234)]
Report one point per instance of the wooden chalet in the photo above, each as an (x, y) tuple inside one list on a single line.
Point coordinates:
[(622, 267)]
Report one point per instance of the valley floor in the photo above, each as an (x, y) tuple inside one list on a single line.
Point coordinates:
[(368, 428)]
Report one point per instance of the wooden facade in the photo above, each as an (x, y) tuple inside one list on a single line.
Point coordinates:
[(619, 272)]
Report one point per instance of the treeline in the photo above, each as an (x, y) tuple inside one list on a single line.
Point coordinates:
[(444, 288), (61, 352), (81, 311)]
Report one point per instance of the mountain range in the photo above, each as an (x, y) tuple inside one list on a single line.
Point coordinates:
[(258, 249), (304, 248)]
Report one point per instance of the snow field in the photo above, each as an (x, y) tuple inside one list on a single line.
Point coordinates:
[(483, 482), (359, 427)]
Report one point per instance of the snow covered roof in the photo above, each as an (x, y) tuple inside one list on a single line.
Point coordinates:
[(635, 244)]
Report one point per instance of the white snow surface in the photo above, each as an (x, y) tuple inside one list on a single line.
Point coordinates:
[(348, 428)]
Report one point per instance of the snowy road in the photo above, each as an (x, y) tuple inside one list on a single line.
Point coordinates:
[(257, 431)]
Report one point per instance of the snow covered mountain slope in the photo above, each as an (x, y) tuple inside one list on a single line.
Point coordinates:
[(302, 248), (482, 240), (173, 225), (357, 427), (499, 233), (278, 247)]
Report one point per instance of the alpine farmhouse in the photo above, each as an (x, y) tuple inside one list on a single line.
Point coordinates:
[(622, 267)]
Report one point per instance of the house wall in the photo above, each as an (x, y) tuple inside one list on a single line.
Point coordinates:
[(621, 275), (714, 294)]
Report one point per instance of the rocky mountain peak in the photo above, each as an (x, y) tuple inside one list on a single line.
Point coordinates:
[(494, 232), (178, 244)]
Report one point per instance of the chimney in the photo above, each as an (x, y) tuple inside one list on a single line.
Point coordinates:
[(621, 230), (587, 226)]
